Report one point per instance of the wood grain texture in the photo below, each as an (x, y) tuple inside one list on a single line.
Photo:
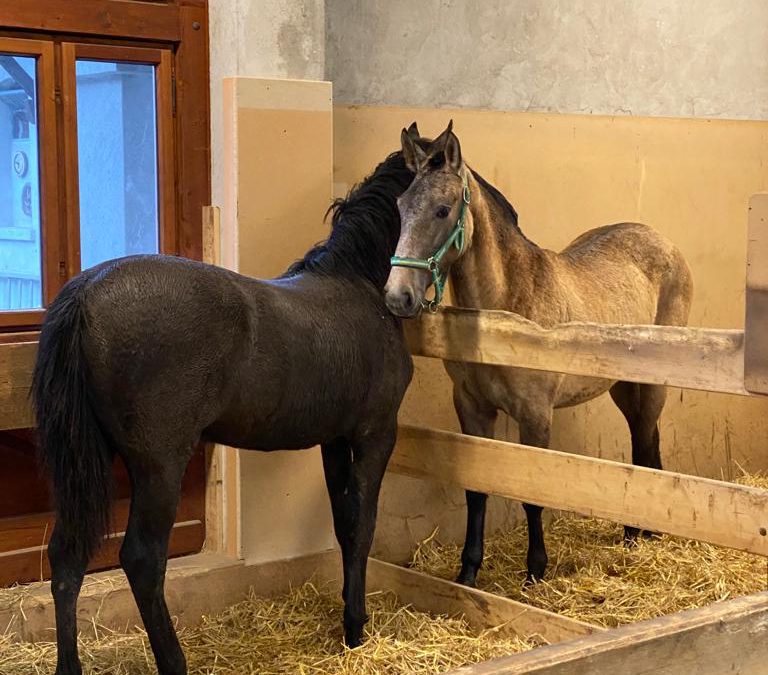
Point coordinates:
[(196, 585), (734, 516), (193, 126), (756, 323), (692, 358), (17, 361), (730, 637), (481, 610), (109, 18)]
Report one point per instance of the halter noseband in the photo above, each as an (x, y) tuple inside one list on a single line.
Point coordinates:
[(432, 264)]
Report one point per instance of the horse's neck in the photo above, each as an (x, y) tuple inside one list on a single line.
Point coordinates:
[(499, 267)]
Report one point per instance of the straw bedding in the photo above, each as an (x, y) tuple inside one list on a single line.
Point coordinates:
[(299, 633), (593, 577)]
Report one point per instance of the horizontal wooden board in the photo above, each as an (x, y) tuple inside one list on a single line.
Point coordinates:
[(756, 320), (114, 18), (17, 361), (720, 513), (692, 358), (481, 610), (195, 586), (729, 637)]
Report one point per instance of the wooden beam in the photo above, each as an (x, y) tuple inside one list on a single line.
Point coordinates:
[(720, 513), (195, 585), (691, 358), (728, 637), (17, 361), (113, 18), (756, 322), (481, 610)]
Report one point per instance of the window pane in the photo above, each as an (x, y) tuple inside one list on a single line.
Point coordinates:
[(117, 146), (20, 266)]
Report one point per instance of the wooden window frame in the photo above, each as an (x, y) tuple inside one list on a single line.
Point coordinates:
[(178, 28)]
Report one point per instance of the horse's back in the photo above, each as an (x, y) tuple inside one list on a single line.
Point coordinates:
[(161, 331), (330, 355), (253, 363), (625, 273)]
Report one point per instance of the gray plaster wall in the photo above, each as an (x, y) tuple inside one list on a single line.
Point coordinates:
[(703, 58), (261, 38)]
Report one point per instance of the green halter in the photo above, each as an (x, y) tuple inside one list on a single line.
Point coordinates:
[(432, 264)]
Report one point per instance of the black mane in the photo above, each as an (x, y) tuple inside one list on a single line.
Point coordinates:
[(364, 229)]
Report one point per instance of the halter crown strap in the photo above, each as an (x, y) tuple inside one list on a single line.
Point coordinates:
[(432, 264)]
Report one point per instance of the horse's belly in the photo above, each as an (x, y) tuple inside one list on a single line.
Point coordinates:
[(519, 391), (575, 390)]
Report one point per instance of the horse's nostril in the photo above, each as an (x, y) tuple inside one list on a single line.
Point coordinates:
[(408, 301)]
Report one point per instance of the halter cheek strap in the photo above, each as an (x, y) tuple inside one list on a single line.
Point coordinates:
[(432, 264)]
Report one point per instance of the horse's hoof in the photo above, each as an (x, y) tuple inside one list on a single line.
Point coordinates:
[(533, 578), (536, 570), (353, 640), (631, 535), (467, 578), (353, 631)]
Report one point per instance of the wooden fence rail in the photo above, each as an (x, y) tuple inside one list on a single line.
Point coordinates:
[(725, 514), (691, 358)]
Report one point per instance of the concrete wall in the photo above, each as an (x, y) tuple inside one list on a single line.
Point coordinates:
[(648, 57)]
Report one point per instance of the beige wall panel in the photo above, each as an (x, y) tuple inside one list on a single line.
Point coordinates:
[(691, 179), (279, 168)]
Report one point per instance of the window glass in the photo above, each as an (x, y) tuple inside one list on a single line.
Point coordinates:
[(117, 146), (20, 261)]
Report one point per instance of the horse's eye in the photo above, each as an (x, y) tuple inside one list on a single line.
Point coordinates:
[(443, 212)]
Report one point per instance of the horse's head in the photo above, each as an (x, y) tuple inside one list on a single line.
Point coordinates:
[(435, 221)]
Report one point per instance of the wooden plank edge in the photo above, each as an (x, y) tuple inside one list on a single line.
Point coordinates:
[(730, 637), (705, 359), (481, 610), (195, 586), (756, 315), (724, 514)]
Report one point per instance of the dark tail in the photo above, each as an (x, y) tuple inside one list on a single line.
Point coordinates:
[(73, 447)]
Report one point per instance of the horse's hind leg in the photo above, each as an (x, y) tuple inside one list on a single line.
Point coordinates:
[(67, 572), (535, 431), (641, 405), (144, 554), (475, 421)]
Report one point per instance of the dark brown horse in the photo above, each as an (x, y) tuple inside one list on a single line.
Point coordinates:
[(143, 357), (625, 273)]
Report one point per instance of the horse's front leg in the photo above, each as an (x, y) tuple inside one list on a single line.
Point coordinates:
[(354, 485), (535, 431), (475, 420)]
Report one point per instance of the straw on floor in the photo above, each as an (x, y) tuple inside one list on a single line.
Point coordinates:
[(296, 634), (593, 577)]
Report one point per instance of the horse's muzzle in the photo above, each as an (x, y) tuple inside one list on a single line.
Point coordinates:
[(401, 301)]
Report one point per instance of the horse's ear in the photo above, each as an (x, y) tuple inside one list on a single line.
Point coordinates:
[(413, 131), (448, 142), (453, 152), (413, 155)]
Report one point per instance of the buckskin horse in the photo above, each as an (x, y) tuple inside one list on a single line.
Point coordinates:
[(455, 224), (143, 357)]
